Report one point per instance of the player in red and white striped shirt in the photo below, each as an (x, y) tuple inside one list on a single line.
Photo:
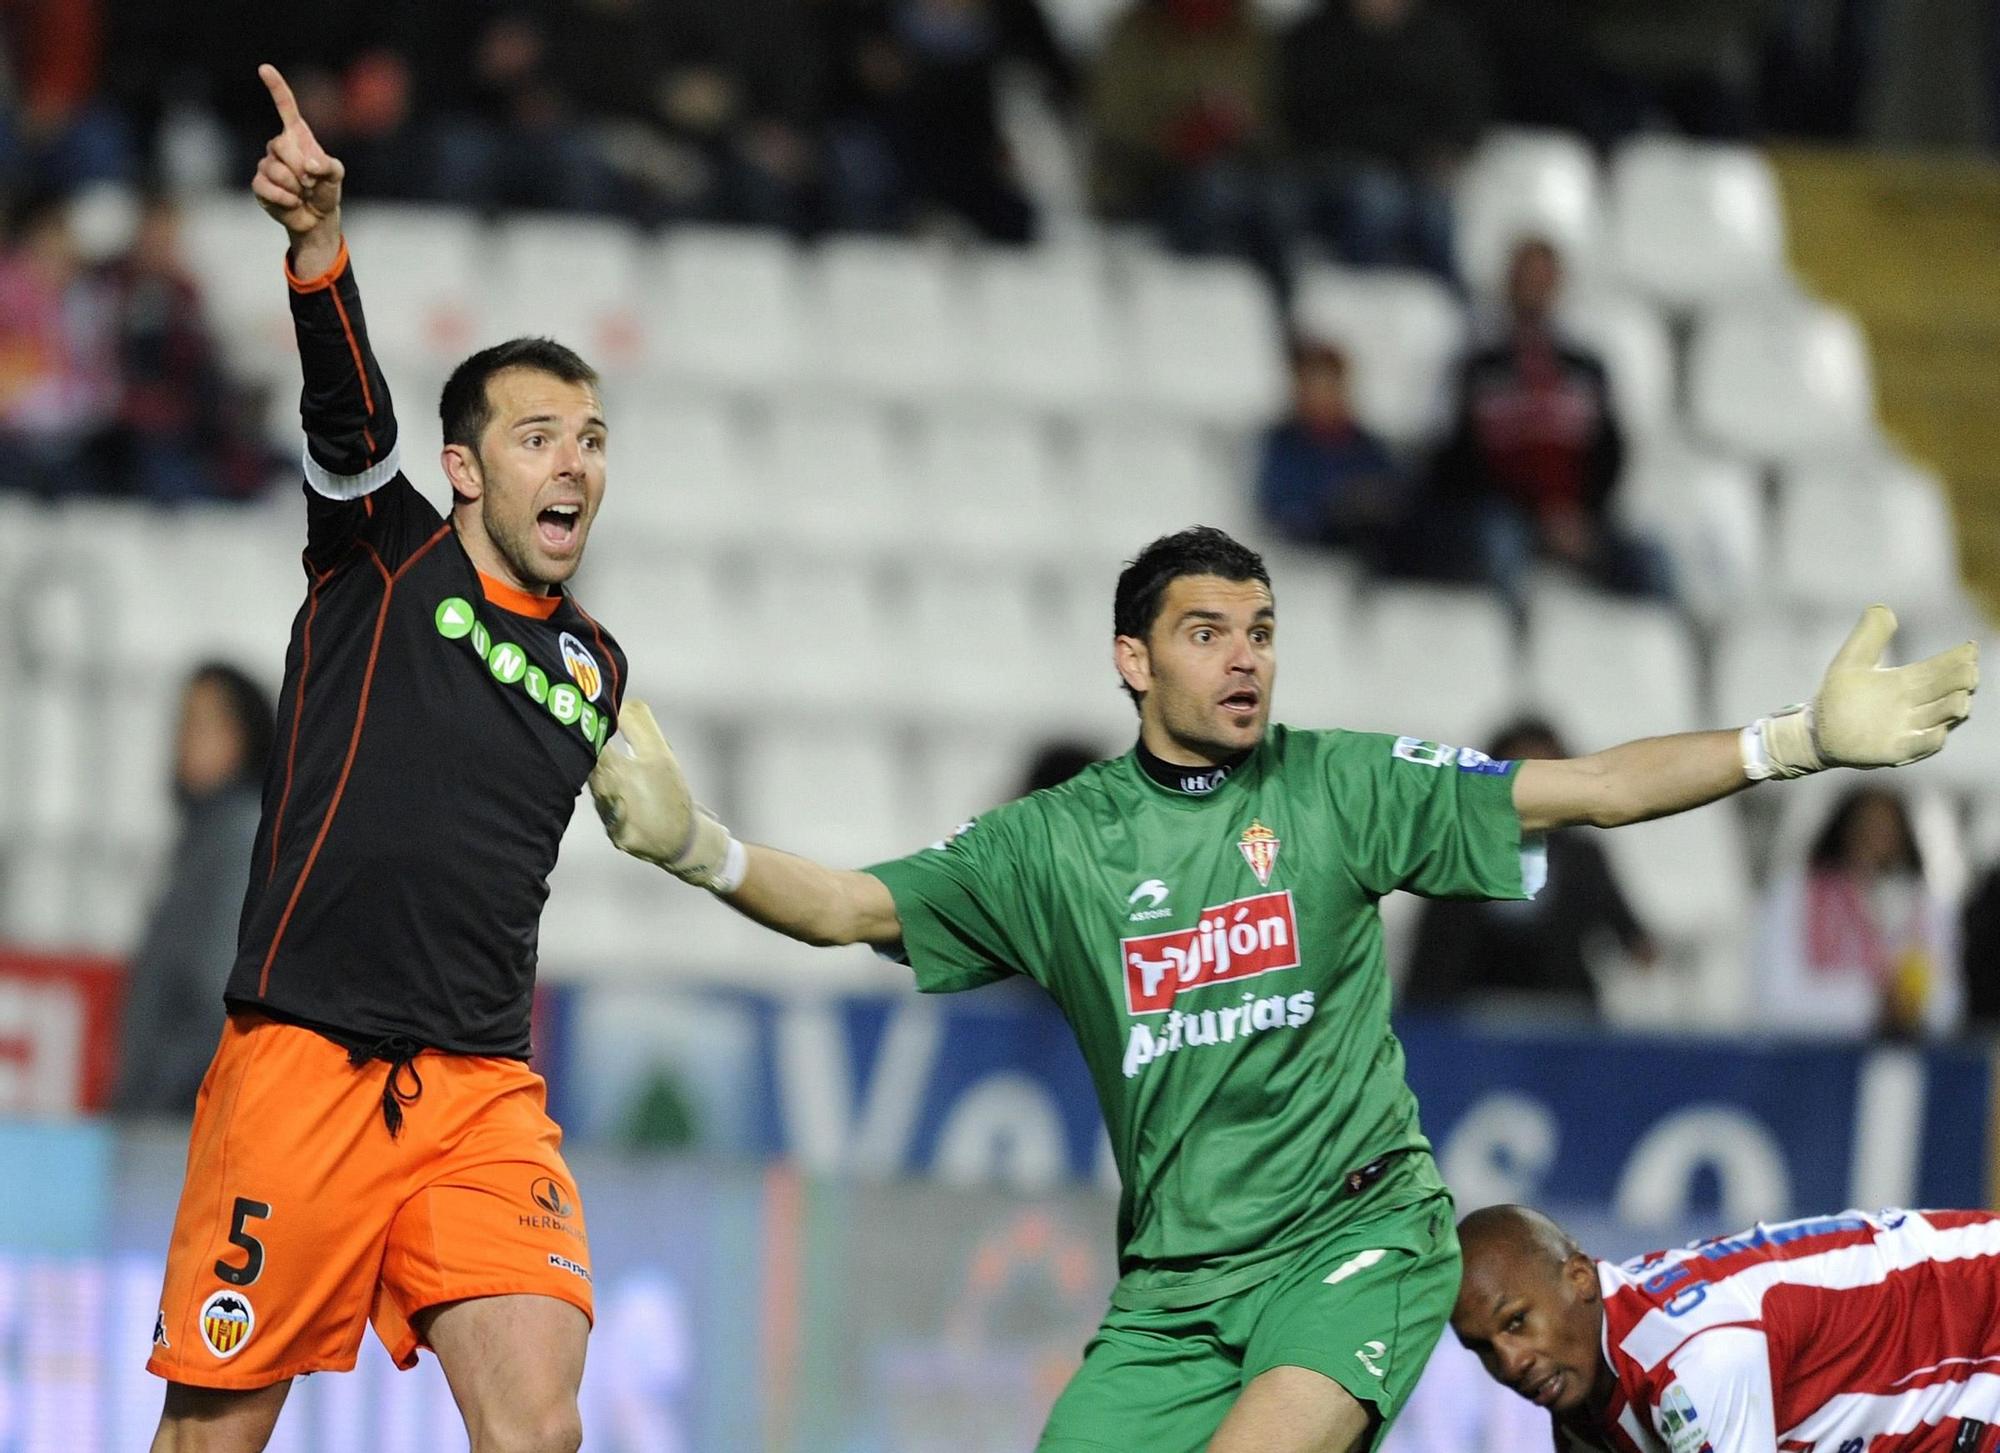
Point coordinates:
[(1854, 1333)]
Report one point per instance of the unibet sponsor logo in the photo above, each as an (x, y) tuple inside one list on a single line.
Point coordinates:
[(1210, 1027), (509, 665), (1238, 940)]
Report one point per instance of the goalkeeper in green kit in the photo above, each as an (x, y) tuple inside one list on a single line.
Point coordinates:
[(1203, 909)]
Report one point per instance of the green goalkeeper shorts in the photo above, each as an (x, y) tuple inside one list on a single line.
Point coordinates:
[(1365, 1311)]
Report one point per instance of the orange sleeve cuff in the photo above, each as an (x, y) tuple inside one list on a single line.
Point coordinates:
[(324, 280)]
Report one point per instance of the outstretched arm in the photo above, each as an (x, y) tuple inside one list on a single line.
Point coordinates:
[(648, 811), (1864, 715)]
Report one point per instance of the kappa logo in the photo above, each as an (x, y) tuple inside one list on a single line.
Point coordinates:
[(563, 1263), (160, 1329), (1238, 940), (581, 665), (1366, 1355), (227, 1320)]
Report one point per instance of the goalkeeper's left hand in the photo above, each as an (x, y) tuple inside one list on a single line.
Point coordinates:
[(1866, 714), (643, 798)]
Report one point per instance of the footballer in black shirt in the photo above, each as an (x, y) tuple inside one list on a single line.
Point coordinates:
[(370, 1143)]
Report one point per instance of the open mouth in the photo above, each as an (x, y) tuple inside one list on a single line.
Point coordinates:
[(1242, 703), (558, 525), (1545, 1392)]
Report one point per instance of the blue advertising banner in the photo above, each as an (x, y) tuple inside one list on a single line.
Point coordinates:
[(989, 1088)]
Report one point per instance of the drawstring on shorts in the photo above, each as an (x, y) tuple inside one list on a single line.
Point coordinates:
[(401, 1053)]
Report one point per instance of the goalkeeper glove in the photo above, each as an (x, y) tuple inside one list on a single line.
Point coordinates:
[(648, 812), (1866, 714)]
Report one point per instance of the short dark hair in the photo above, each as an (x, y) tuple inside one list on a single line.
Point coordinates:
[(464, 408), (1829, 850), (1200, 550)]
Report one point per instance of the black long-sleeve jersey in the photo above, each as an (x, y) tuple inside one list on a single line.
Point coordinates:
[(435, 728)]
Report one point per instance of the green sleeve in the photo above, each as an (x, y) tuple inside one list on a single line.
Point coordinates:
[(953, 899), (1431, 819)]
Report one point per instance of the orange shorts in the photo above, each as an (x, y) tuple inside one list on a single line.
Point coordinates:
[(302, 1218)]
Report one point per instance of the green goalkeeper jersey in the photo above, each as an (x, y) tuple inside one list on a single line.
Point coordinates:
[(1219, 958)]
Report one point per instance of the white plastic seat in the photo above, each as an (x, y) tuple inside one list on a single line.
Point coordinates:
[(1520, 184), (975, 643), (967, 771), (1768, 660), (575, 279), (1139, 480), (1874, 530), (1043, 333), (836, 477), (1631, 338), (1433, 662), (680, 469), (1402, 333), (237, 257), (892, 318), (418, 269), (819, 636), (1694, 223), (1610, 670), (1783, 382), (836, 794), (984, 479), (1708, 510), (684, 625), (726, 305), (1206, 341), (1688, 880)]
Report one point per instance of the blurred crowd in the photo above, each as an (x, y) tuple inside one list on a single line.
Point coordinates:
[(1274, 133)]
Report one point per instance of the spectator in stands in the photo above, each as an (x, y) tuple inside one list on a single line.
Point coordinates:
[(685, 127), (183, 431), (56, 128), (1535, 454), (1856, 943), (1687, 65), (1323, 479), (58, 366), (514, 134), (1182, 128), (913, 109), (1380, 100), (173, 1003), (1979, 958), (1540, 949)]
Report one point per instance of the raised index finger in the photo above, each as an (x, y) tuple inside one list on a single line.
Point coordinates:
[(281, 95)]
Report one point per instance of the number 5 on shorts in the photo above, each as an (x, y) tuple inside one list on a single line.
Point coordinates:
[(253, 1264)]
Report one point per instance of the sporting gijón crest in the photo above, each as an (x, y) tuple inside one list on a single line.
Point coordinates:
[(1260, 850)]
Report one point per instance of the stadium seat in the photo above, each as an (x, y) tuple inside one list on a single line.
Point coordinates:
[(1768, 659), (1519, 184), (683, 622), (838, 794), (1433, 662), (985, 478), (1606, 670), (236, 254), (1782, 381), (1136, 480), (1206, 341), (1694, 223), (1707, 510), (419, 270), (572, 278), (1638, 352), (726, 305), (837, 478), (1402, 332), (1878, 529), (819, 635), (1687, 876), (890, 318), (962, 772), (1042, 329), (972, 645), (680, 469)]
